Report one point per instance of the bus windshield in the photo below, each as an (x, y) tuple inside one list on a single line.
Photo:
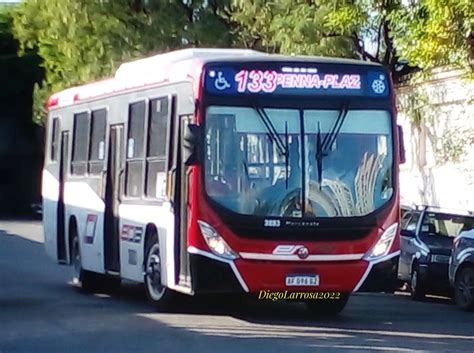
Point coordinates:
[(265, 163)]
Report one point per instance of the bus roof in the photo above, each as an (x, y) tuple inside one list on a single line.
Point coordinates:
[(175, 66)]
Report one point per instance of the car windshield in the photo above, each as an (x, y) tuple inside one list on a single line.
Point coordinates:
[(445, 225), (265, 161)]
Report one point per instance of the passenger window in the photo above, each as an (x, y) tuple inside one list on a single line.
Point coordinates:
[(81, 143), (97, 146), (54, 139), (135, 149), (158, 127), (147, 148), (156, 150)]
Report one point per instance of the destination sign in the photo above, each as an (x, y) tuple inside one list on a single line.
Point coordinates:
[(296, 80)]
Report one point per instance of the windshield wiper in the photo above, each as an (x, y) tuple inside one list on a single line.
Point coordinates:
[(331, 137), (274, 137), (286, 154), (323, 148), (319, 155), (272, 133)]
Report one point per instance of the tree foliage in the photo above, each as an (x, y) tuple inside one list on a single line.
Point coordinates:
[(18, 73), (83, 40), (422, 33), (432, 33), (8, 44), (354, 29)]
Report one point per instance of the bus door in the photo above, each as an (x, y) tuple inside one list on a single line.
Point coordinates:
[(115, 170), (180, 196), (60, 219)]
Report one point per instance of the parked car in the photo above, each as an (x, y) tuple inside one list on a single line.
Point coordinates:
[(461, 264), (426, 242)]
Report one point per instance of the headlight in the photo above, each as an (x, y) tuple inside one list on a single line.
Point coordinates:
[(383, 245), (215, 242)]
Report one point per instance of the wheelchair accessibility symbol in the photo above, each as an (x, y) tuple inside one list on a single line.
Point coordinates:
[(220, 83)]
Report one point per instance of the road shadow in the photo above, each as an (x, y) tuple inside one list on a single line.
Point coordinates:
[(36, 299)]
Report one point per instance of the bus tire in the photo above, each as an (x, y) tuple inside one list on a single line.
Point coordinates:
[(464, 289), (80, 278), (158, 295), (417, 288), (328, 307)]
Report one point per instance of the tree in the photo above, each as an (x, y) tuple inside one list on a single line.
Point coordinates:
[(19, 74), (8, 44), (77, 40), (354, 29), (20, 144), (433, 33), (81, 40), (207, 23), (423, 34)]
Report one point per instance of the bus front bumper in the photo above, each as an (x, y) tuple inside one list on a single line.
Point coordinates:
[(213, 275), (382, 277)]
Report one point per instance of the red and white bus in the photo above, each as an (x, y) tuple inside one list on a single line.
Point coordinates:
[(227, 171)]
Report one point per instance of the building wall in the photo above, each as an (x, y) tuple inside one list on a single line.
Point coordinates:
[(438, 121)]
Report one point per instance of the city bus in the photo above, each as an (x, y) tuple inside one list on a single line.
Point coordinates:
[(227, 171)]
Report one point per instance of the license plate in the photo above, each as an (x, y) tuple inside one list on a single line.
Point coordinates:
[(297, 280), (442, 259)]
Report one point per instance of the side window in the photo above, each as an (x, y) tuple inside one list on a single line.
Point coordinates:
[(54, 149), (80, 143), (135, 149), (156, 149), (413, 222), (404, 220), (97, 143)]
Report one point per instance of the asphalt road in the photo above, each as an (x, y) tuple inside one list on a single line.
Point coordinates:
[(40, 312)]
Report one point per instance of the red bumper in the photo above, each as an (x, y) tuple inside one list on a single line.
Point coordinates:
[(270, 275)]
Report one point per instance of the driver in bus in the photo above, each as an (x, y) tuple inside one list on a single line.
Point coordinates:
[(337, 166)]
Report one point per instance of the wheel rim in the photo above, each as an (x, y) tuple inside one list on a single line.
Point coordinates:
[(465, 288), (76, 262), (153, 274)]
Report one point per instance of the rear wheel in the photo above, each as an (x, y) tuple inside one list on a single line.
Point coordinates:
[(464, 289), (80, 278), (87, 280), (328, 307), (158, 295), (417, 288)]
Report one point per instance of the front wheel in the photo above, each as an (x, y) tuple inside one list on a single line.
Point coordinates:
[(417, 287), (464, 289), (328, 307), (158, 295)]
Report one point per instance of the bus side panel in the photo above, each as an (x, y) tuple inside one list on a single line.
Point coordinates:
[(133, 222), (50, 194), (83, 203)]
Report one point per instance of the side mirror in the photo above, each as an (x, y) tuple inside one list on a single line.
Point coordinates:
[(407, 233), (401, 145), (192, 142)]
